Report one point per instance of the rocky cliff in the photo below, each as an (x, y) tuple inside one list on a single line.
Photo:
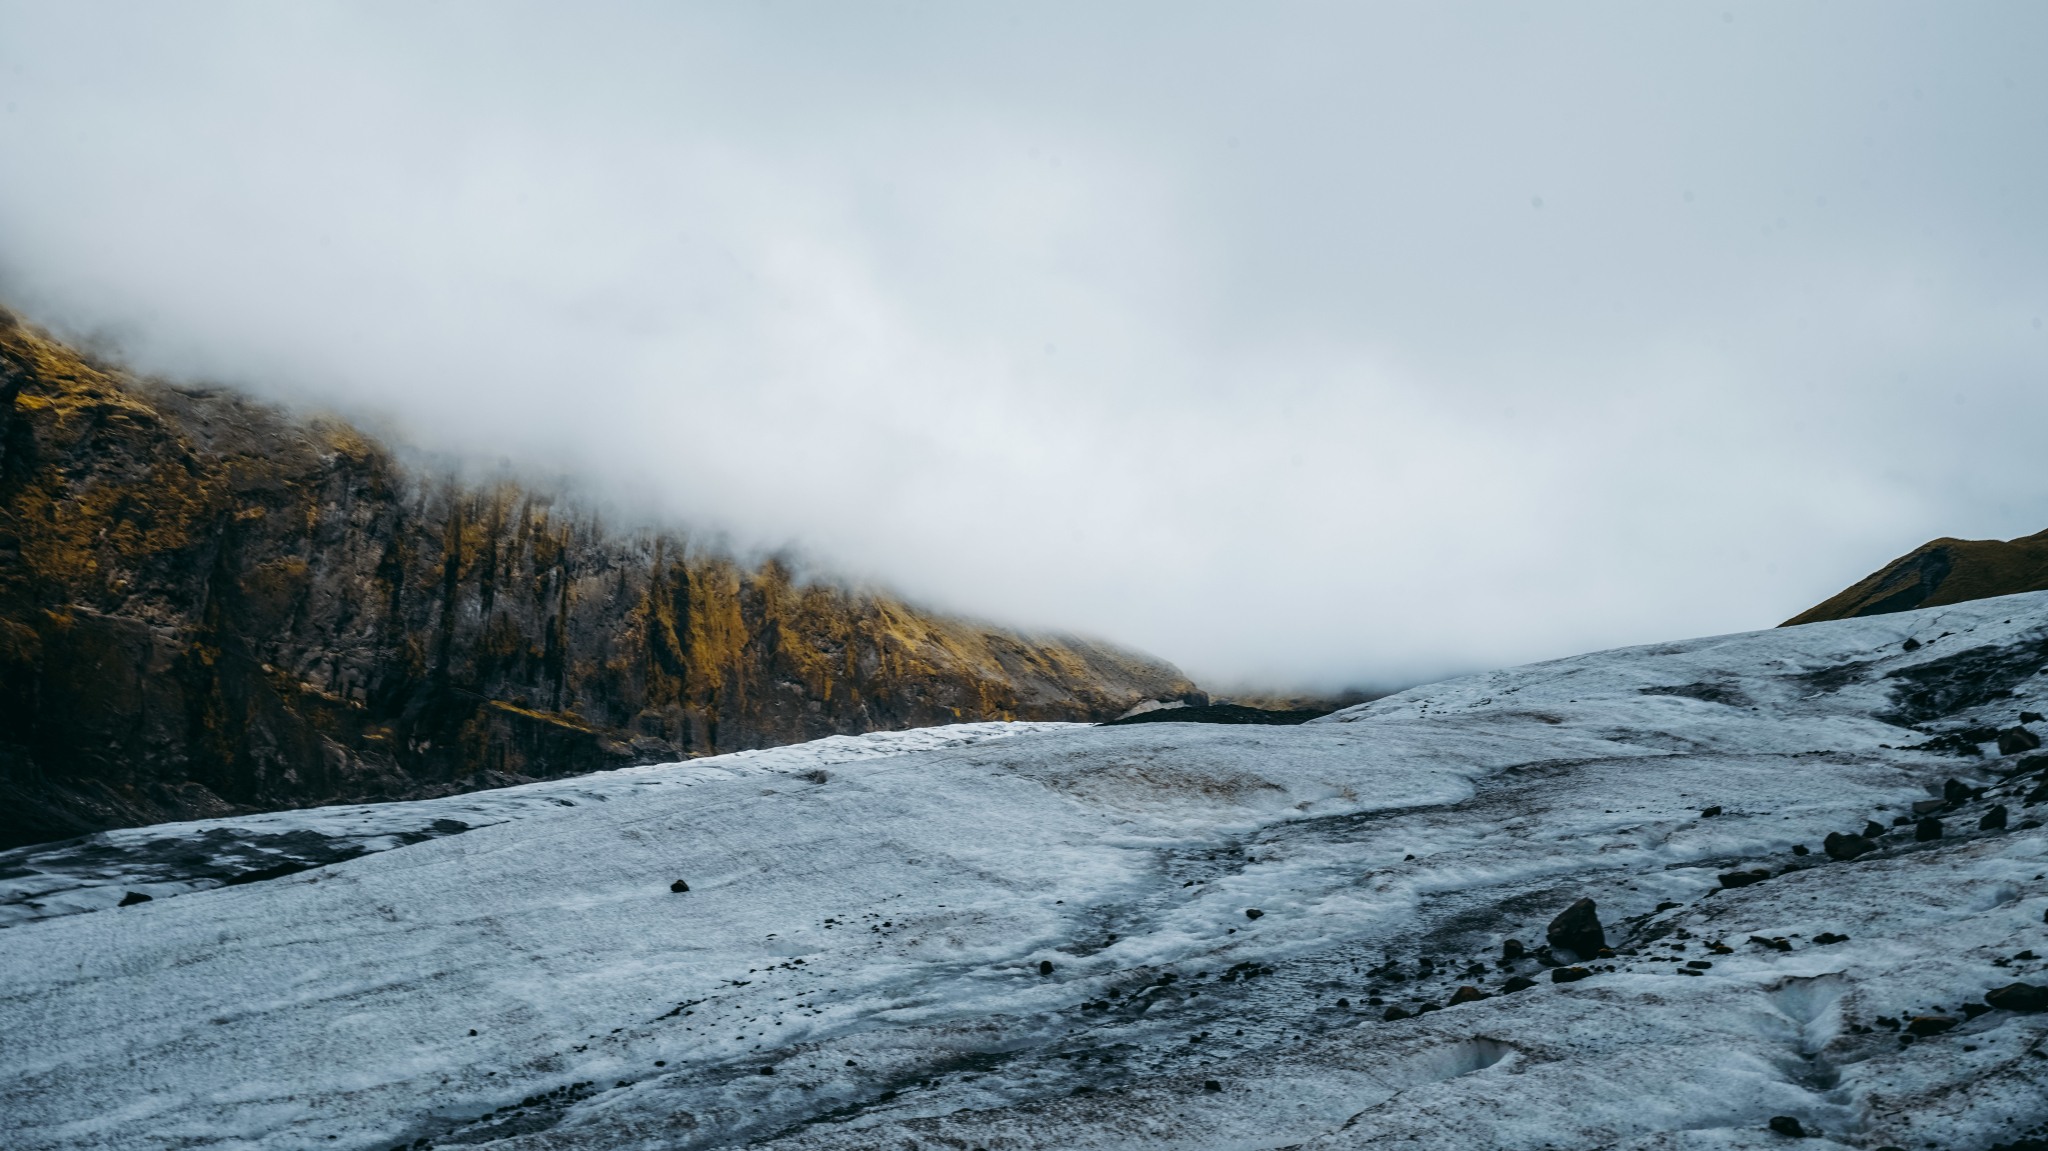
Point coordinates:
[(209, 607), (1941, 572)]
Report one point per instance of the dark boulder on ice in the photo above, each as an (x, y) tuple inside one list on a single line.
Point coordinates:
[(1846, 847), (1954, 791), (1872, 829), (1577, 929), (1745, 878), (133, 898), (1512, 950), (2031, 717), (2014, 740), (1926, 1025), (1467, 994), (1568, 974), (1518, 983), (1994, 820), (1045, 967), (2018, 997), (679, 886), (1786, 1125), (1396, 1012), (1711, 812), (1927, 830), (1252, 913)]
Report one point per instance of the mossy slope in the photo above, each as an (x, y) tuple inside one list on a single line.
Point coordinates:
[(1940, 572), (209, 607)]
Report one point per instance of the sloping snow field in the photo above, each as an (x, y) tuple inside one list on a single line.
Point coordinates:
[(1155, 936)]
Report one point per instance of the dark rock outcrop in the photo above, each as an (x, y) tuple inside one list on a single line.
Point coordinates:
[(209, 607), (1219, 713)]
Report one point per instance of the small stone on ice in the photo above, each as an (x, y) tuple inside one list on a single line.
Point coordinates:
[(1211, 1085), (1786, 1125), (1568, 974), (1710, 812), (2018, 997), (1467, 994), (1513, 950), (1926, 830), (679, 887), (1394, 1012), (1518, 983), (1252, 913), (1930, 1024), (1045, 967), (1872, 829), (1847, 847), (2014, 740), (1800, 849), (1578, 928), (133, 898), (1994, 820)]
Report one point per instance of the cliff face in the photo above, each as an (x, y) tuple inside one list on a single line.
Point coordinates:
[(1940, 572), (208, 608)]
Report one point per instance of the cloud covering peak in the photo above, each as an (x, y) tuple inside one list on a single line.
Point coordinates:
[(1308, 343)]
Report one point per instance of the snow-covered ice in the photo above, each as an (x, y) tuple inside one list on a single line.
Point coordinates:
[(862, 957), (98, 871)]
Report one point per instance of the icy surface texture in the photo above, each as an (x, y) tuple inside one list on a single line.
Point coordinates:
[(1047, 941), (98, 871)]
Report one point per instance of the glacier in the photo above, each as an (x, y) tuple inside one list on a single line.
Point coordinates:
[(1008, 936)]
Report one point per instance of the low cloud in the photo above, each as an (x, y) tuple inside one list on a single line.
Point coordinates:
[(1302, 345)]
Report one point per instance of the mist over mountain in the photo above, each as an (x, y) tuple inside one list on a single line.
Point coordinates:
[(1311, 346), (208, 607)]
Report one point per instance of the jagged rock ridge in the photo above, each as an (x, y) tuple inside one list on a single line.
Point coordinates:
[(210, 607), (1938, 573)]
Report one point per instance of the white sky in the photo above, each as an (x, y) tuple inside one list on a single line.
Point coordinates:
[(1308, 344)]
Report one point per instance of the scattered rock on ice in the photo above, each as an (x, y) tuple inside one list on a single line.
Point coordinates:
[(679, 886), (1786, 1125), (2014, 740), (1745, 878), (2018, 997), (1925, 1025), (1577, 929), (1994, 820), (133, 898), (1847, 847), (1927, 830)]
